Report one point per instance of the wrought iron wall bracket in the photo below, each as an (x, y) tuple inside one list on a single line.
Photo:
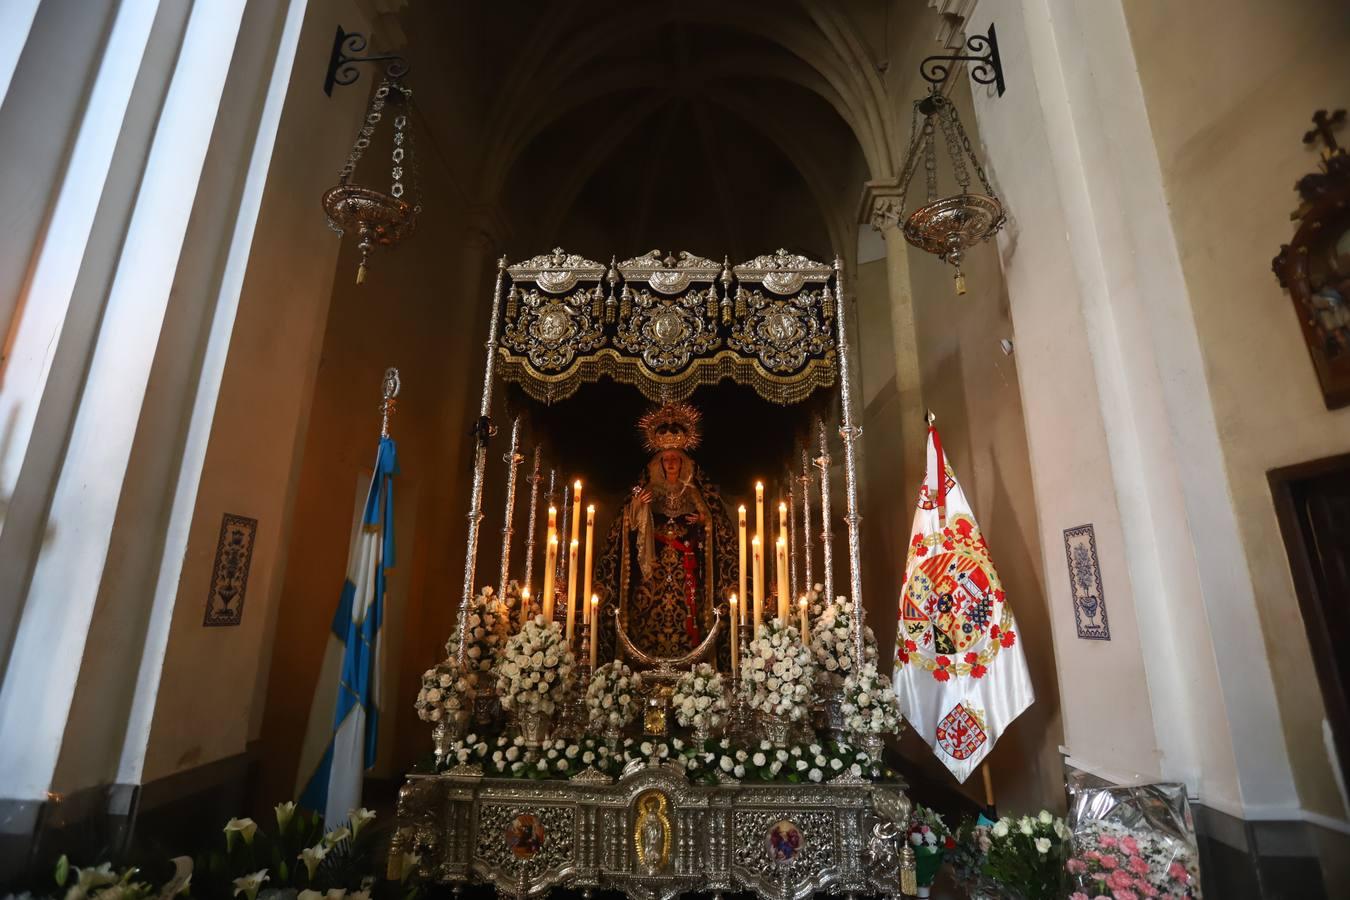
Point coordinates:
[(986, 66), (342, 61)]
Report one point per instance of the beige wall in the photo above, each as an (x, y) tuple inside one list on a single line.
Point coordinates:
[(1227, 114)]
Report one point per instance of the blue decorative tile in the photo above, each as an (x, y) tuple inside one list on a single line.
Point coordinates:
[(229, 575), (1085, 579)]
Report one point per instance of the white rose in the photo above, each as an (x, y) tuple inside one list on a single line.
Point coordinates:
[(1042, 846), (1045, 817), (1001, 828)]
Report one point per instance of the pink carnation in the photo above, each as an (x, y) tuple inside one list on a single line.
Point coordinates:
[(1125, 894), (1145, 888), (1178, 872), (1119, 880), (1108, 842), (1076, 867), (1092, 856), (1109, 862), (1138, 865), (1078, 895)]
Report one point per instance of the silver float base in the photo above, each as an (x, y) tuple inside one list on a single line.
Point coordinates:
[(528, 837)]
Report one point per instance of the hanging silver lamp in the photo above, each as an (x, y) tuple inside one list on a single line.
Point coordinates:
[(379, 218), (946, 226)]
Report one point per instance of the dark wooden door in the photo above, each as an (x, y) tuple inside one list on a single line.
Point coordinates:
[(1312, 501)]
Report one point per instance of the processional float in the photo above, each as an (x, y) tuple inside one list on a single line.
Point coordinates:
[(557, 793)]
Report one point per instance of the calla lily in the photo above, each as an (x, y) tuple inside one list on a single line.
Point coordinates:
[(359, 895), (312, 856), (359, 819), (285, 811), (245, 828), (308, 894), (248, 884), (335, 894)]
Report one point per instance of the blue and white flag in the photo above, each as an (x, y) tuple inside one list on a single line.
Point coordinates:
[(344, 719)]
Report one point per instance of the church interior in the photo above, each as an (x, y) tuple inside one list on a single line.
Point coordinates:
[(292, 460)]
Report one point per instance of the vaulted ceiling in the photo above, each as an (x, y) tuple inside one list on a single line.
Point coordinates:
[(619, 126)]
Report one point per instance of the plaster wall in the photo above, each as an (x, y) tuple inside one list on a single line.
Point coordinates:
[(1066, 435), (209, 679), (1228, 144)]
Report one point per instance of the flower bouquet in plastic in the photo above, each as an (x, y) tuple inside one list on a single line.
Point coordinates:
[(931, 840)]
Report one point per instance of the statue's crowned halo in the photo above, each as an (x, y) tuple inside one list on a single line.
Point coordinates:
[(671, 555), (673, 426)]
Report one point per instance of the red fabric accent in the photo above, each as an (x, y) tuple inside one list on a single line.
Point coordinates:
[(941, 477), (690, 586)]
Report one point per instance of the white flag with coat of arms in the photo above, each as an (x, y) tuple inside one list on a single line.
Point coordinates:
[(960, 673)]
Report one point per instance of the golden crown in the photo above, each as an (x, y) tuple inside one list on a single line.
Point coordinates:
[(673, 426)]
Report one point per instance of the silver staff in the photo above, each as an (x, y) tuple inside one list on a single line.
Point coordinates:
[(513, 459), (534, 480), (805, 480), (826, 528), (850, 432), (482, 432)]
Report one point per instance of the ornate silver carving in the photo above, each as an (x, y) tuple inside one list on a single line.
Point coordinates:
[(669, 275), (556, 272), (553, 331), (781, 272), (782, 334), (667, 333)]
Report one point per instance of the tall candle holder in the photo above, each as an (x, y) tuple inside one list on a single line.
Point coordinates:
[(740, 718), (574, 718)]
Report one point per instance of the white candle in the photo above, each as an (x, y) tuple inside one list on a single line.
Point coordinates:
[(550, 572), (590, 564), (595, 612), (576, 510), (735, 636), (571, 589), (524, 605), (745, 573), (806, 632), (758, 554), (780, 555)]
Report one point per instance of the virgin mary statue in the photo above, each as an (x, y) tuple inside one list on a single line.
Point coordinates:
[(671, 555)]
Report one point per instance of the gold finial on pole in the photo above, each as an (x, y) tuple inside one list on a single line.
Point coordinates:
[(930, 418), (391, 386)]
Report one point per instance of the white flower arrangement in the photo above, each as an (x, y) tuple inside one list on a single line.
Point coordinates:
[(488, 626), (779, 672), (444, 691), (614, 695), (868, 702), (708, 763), (535, 667), (832, 639), (699, 699)]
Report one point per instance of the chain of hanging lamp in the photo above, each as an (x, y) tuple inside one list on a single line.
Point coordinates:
[(379, 218)]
